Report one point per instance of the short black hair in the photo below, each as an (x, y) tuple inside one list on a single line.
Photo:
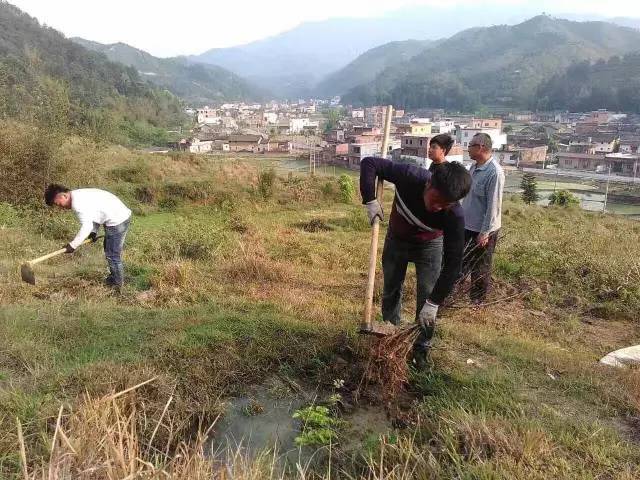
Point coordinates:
[(444, 141), (51, 191), (452, 180)]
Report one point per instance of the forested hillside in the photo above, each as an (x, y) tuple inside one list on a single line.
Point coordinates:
[(501, 65), (196, 83), (612, 84), (49, 80)]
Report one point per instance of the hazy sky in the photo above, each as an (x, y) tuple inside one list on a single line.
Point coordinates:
[(193, 26)]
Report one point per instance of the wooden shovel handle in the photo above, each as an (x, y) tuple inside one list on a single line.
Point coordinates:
[(375, 231), (56, 253), (373, 260)]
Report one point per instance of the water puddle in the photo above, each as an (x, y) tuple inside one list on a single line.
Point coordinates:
[(262, 420)]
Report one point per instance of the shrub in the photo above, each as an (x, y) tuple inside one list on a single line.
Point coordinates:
[(266, 181), (187, 239), (138, 172), (27, 163), (563, 198), (347, 188), (9, 216), (145, 194)]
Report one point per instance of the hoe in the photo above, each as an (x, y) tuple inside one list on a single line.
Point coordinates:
[(26, 269), (368, 326)]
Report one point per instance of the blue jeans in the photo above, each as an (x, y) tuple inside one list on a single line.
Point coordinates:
[(113, 244), (396, 255)]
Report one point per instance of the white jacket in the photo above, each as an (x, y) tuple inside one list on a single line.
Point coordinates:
[(95, 207)]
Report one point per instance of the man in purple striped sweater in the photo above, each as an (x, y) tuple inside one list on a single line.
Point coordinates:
[(426, 228)]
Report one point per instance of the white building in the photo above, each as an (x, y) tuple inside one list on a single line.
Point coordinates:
[(443, 126), (198, 146), (358, 113), (270, 118), (207, 115), (296, 125)]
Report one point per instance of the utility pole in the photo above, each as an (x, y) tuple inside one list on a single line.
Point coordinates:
[(309, 152), (606, 192)]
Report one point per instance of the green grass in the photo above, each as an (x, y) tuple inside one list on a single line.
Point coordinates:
[(228, 288)]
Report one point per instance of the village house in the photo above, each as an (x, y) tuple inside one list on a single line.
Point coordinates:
[(619, 163), (208, 115), (590, 162), (486, 123), (280, 146), (523, 157), (270, 118), (624, 164), (630, 144), (415, 145), (443, 126), (595, 143), (335, 136), (375, 115), (248, 143), (417, 126), (357, 113), (336, 153), (200, 146), (358, 151)]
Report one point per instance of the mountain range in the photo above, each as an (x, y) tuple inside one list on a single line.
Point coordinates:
[(297, 63), (501, 65), (196, 83), (292, 63)]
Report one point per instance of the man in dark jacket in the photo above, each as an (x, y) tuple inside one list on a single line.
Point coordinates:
[(426, 227)]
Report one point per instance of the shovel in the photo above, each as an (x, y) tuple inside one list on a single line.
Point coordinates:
[(26, 269), (369, 327)]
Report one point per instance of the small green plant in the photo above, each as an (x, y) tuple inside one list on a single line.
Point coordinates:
[(318, 426), (347, 188), (266, 181), (563, 198), (529, 188)]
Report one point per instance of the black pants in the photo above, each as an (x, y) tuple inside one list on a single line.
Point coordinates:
[(477, 263)]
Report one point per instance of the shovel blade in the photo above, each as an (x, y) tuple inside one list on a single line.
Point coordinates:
[(26, 271), (378, 329)]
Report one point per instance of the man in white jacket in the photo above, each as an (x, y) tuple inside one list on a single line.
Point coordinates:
[(94, 208)]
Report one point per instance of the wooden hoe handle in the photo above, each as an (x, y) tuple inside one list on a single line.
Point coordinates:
[(375, 230), (54, 254)]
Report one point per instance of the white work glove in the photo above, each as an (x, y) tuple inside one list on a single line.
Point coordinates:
[(374, 209), (427, 316)]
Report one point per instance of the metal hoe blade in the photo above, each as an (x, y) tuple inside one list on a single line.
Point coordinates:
[(26, 271), (379, 329)]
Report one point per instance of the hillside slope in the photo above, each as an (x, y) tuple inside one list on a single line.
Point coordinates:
[(46, 78), (195, 82), (612, 84), (367, 66), (500, 65)]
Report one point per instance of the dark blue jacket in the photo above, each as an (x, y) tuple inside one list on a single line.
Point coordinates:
[(411, 221)]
